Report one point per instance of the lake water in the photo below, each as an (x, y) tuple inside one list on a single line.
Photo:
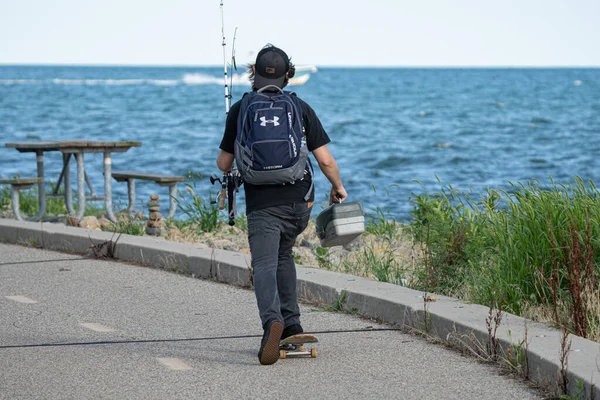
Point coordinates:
[(470, 128)]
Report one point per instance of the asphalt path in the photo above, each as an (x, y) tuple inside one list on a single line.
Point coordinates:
[(76, 328)]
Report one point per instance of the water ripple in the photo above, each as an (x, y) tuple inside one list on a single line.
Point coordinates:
[(472, 128)]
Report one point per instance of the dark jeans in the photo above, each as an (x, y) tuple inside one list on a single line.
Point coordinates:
[(272, 233)]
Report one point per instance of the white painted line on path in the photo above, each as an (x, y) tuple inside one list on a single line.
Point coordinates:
[(21, 299), (97, 327), (174, 364)]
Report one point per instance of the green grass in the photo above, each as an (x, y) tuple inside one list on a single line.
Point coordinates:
[(127, 225), (380, 223), (378, 263), (199, 211), (339, 302), (29, 203), (5, 197), (536, 249)]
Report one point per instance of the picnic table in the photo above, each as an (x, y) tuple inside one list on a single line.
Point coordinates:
[(76, 148)]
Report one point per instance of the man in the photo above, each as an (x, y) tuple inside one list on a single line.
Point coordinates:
[(278, 213)]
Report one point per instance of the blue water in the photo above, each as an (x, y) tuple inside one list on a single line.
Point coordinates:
[(470, 128)]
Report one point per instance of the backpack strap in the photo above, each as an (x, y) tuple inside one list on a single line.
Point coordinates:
[(312, 170), (262, 89), (312, 180)]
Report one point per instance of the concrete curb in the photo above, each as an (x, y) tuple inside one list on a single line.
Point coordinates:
[(448, 319)]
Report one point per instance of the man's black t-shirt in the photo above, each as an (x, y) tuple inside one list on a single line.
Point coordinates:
[(263, 196)]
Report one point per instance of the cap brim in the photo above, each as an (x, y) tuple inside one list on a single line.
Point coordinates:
[(260, 82)]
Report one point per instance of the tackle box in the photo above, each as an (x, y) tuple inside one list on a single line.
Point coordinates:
[(340, 224)]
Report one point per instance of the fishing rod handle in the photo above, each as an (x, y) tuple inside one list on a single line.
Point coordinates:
[(222, 200)]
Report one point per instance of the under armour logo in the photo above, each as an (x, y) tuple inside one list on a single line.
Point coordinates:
[(264, 121)]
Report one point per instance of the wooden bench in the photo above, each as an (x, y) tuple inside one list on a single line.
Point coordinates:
[(163, 180), (17, 185)]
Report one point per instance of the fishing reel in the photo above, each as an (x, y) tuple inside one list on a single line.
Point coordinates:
[(222, 193), (230, 185)]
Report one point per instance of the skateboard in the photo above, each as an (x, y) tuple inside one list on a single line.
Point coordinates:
[(293, 346)]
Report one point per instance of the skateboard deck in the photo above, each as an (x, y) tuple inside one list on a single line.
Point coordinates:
[(293, 346)]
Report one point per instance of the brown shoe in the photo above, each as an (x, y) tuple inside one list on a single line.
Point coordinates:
[(269, 346)]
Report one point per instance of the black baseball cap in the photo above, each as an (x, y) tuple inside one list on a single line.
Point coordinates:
[(271, 66)]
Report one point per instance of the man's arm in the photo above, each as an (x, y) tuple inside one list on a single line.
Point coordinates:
[(225, 161), (330, 169)]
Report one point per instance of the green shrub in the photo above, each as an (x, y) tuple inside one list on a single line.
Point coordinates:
[(532, 247)]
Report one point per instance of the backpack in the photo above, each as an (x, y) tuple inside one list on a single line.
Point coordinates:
[(270, 147)]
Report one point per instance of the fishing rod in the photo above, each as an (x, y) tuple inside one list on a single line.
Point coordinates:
[(230, 186), (231, 180), (224, 44)]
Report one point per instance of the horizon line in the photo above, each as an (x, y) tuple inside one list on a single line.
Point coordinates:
[(125, 65)]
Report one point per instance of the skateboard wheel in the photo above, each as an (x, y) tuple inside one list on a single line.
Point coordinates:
[(282, 354), (301, 347), (313, 353)]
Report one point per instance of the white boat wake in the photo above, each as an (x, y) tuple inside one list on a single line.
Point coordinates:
[(186, 79)]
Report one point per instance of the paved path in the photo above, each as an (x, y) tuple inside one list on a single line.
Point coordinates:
[(51, 298)]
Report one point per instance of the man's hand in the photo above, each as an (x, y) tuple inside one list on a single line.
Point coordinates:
[(330, 169), (337, 195)]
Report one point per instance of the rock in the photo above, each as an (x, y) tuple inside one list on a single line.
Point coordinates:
[(72, 221), (90, 222), (155, 224), (105, 223), (153, 231), (304, 256), (153, 203), (356, 244), (155, 215), (308, 244), (337, 254), (7, 214), (309, 235)]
